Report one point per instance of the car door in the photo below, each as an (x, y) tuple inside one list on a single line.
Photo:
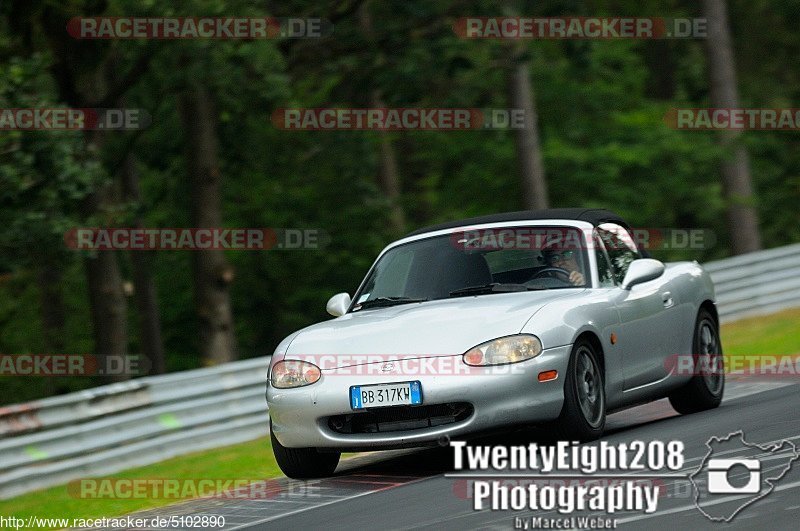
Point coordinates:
[(645, 335)]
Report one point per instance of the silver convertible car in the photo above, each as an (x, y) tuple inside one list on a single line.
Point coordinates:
[(552, 318)]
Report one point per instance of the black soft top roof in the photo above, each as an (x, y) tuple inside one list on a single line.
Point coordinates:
[(595, 216)]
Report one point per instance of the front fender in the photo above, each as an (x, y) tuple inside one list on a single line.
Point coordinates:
[(562, 321)]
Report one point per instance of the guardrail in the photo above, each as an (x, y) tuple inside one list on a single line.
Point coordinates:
[(110, 428), (757, 283), (119, 426)]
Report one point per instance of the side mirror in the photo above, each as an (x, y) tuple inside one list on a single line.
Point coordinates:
[(642, 270), (338, 304)]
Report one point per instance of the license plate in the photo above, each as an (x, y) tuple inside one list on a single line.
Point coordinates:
[(395, 394)]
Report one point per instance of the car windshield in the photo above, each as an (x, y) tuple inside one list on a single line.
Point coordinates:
[(477, 262)]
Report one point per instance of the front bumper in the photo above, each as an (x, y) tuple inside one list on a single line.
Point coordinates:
[(500, 396)]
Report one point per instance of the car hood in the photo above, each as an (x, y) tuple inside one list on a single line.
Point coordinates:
[(418, 330)]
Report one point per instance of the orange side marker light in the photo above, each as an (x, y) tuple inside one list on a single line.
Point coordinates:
[(546, 376)]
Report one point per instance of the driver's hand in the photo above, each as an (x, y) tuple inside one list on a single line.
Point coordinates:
[(576, 278)]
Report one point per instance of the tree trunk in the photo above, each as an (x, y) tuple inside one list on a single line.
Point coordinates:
[(529, 152), (660, 59), (212, 273), (51, 305), (79, 85), (388, 175), (51, 310), (108, 308), (145, 294), (735, 168)]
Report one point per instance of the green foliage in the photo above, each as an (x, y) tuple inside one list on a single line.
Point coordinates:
[(44, 176), (601, 106)]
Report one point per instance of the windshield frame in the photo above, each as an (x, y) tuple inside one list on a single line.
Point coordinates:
[(586, 229)]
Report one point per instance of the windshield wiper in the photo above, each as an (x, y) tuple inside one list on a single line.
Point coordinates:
[(383, 302), (494, 287)]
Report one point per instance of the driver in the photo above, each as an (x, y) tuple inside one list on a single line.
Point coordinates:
[(567, 261)]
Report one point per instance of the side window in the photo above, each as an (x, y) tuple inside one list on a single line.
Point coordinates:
[(604, 270), (620, 247)]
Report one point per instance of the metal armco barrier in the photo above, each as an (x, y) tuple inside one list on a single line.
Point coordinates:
[(757, 283), (114, 427)]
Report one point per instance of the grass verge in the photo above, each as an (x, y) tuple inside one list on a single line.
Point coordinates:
[(775, 334), (250, 460)]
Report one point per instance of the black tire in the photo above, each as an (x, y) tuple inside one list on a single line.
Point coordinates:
[(303, 463), (704, 391), (583, 416)]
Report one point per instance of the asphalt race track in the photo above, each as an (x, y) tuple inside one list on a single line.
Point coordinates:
[(416, 489)]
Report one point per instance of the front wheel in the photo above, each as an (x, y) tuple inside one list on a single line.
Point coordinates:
[(583, 416), (303, 463), (704, 390)]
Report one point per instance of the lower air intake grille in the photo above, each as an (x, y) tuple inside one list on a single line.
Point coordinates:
[(400, 418)]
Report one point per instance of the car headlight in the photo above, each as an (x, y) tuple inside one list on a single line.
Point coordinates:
[(511, 349), (293, 373)]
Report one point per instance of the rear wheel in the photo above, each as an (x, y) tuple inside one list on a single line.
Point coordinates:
[(303, 463), (583, 416), (704, 390)]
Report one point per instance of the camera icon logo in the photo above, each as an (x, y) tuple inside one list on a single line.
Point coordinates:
[(740, 474), (718, 482)]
